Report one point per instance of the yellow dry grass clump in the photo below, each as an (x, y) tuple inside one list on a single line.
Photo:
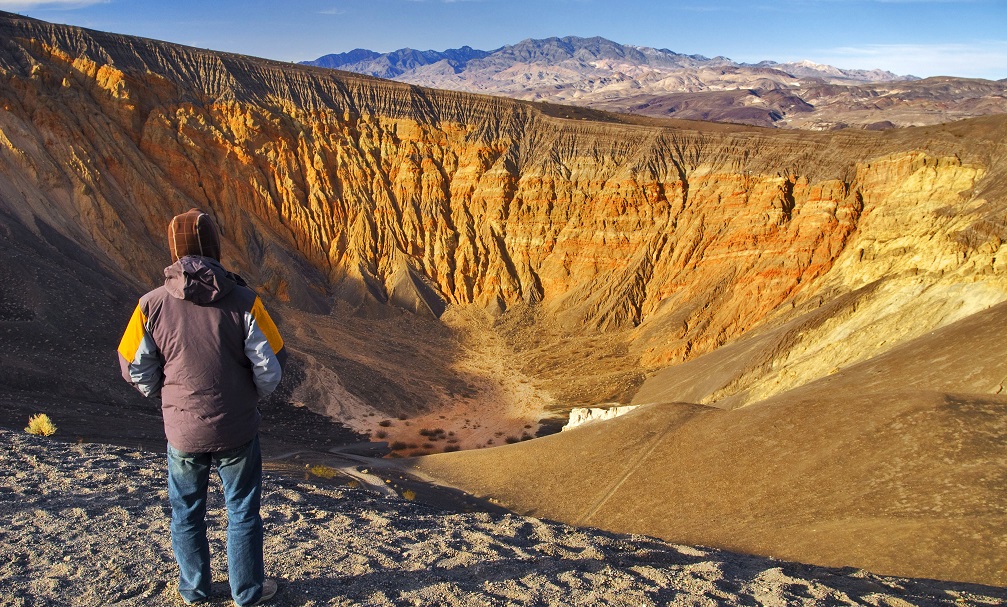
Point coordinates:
[(322, 471), (40, 425)]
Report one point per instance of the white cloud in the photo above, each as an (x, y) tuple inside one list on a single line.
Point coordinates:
[(987, 59)]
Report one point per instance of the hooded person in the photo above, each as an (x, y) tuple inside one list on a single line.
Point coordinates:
[(204, 343)]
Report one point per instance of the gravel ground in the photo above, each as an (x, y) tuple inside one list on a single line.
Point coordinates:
[(87, 524)]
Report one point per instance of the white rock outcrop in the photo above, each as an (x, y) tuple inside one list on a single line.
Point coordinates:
[(586, 415)]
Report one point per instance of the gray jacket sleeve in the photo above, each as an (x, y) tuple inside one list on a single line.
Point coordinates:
[(264, 348)]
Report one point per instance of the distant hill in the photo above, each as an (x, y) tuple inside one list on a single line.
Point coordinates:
[(602, 74), (394, 64), (587, 51)]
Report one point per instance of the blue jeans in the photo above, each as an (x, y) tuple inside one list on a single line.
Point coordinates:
[(240, 473)]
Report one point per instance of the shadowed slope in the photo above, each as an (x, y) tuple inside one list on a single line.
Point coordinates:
[(897, 464)]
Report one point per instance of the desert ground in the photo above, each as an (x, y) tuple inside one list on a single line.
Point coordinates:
[(87, 524)]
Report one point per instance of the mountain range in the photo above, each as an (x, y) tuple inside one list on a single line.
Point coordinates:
[(809, 322), (602, 74), (595, 51)]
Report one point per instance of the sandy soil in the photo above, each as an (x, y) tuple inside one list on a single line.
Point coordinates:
[(503, 406), (87, 524)]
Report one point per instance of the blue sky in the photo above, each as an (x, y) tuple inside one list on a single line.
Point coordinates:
[(921, 37)]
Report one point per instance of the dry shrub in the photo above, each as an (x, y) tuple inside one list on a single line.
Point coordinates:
[(40, 425), (322, 471)]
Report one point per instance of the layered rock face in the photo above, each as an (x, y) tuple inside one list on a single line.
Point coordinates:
[(628, 246)]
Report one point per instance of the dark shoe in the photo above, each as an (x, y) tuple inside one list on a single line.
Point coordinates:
[(196, 602), (268, 591), (188, 602)]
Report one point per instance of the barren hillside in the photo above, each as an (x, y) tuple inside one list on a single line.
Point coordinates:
[(896, 464), (568, 254), (450, 270)]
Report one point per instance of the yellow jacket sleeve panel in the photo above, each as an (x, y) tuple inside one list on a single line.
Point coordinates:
[(267, 326), (264, 348), (133, 336), (139, 358)]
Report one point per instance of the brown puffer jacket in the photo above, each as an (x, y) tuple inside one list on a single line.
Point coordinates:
[(205, 343)]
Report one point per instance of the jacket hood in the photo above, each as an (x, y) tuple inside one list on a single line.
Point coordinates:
[(201, 280)]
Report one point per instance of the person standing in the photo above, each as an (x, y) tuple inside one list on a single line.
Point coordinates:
[(204, 344)]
